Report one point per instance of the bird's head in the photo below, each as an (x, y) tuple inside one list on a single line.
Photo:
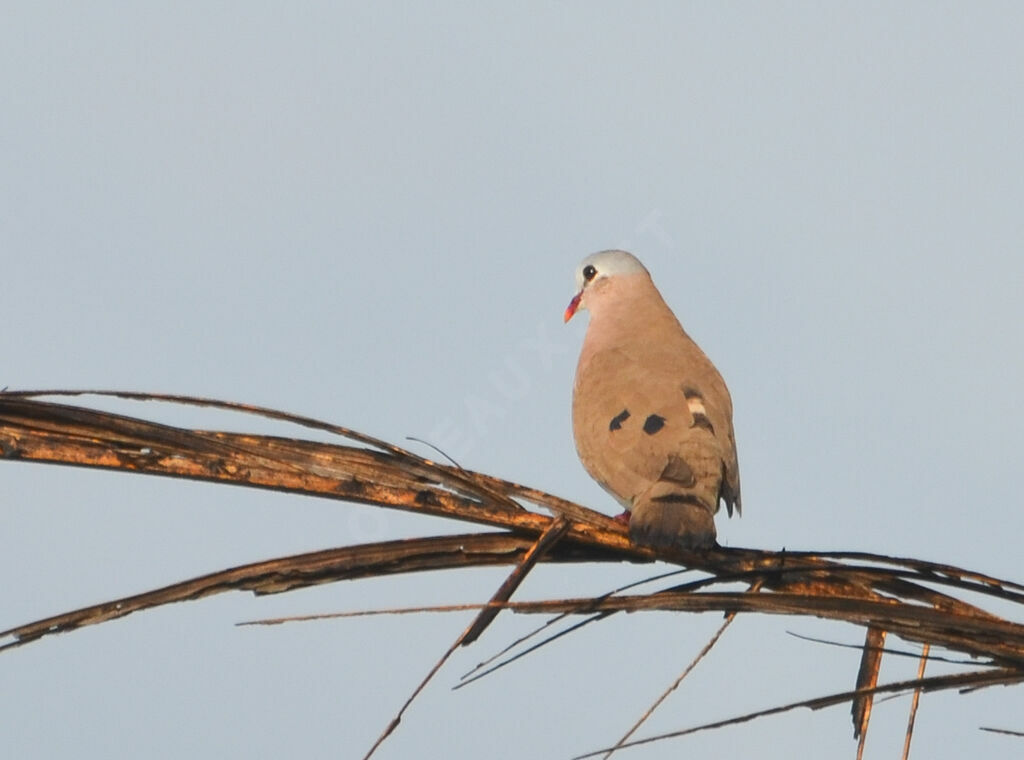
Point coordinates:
[(595, 273)]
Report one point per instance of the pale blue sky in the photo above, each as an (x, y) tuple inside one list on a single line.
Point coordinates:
[(371, 214)]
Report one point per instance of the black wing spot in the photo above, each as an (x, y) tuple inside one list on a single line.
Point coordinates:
[(701, 420), (653, 424), (618, 419)]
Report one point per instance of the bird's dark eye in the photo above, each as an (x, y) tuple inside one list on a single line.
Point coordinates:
[(589, 272)]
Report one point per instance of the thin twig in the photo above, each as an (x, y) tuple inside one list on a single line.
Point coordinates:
[(675, 684), (1006, 731), (886, 650), (389, 729), (862, 734), (914, 702), (469, 675), (360, 613), (435, 448), (976, 678), (466, 680)]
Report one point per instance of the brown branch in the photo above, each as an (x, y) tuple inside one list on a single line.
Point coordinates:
[(43, 431), (300, 571), (59, 434), (867, 677)]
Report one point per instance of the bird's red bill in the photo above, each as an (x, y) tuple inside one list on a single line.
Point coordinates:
[(573, 305)]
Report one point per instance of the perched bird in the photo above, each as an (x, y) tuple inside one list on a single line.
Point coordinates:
[(651, 415)]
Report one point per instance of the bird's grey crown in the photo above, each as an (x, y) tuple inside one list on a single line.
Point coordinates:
[(608, 264)]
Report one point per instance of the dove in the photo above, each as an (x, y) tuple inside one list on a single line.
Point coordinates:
[(651, 416)]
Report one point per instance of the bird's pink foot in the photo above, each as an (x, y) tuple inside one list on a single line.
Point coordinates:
[(623, 518)]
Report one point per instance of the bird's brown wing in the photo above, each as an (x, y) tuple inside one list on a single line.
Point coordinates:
[(655, 424)]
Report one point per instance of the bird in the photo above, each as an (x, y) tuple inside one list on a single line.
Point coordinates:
[(651, 415)]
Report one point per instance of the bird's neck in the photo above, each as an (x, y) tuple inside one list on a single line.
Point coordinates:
[(629, 312)]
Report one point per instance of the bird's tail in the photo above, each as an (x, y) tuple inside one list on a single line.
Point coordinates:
[(674, 519)]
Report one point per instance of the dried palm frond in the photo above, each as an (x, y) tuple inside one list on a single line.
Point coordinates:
[(933, 604)]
